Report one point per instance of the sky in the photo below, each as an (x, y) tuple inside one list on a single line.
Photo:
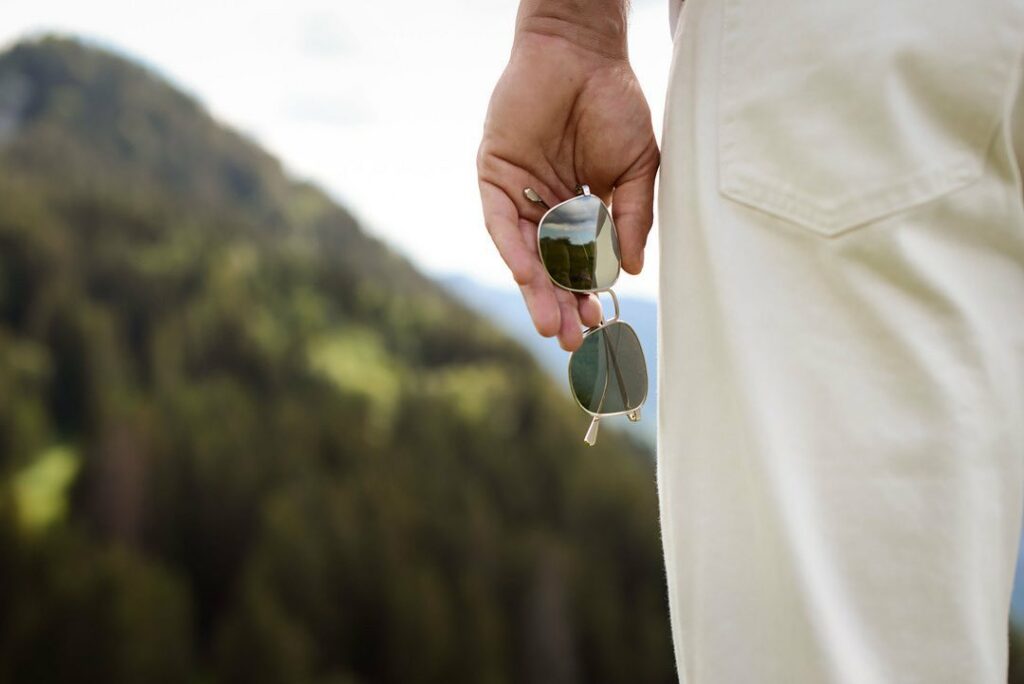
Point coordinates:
[(379, 103)]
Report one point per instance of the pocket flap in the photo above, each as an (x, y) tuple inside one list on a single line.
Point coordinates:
[(834, 114)]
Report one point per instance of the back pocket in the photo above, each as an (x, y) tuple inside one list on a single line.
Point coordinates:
[(835, 113)]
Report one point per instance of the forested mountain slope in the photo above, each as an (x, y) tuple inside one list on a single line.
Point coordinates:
[(243, 441)]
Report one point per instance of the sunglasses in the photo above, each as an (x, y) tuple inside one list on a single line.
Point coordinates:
[(579, 247)]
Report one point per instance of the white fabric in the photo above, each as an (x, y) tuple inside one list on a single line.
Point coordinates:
[(841, 340), (674, 7)]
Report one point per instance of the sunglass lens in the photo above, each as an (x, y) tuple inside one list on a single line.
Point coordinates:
[(579, 245), (607, 373)]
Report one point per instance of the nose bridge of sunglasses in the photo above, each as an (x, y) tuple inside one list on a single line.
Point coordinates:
[(615, 305), (605, 319)]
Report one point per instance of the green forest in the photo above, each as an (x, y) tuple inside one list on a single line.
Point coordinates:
[(243, 441)]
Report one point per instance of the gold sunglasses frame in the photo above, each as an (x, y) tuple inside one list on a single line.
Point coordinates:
[(633, 414)]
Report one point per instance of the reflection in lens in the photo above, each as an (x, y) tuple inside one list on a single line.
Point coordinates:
[(607, 373), (578, 244)]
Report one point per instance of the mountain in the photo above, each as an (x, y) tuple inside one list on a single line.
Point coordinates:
[(506, 309), (243, 441)]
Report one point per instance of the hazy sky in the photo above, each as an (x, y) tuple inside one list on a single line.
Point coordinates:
[(381, 103)]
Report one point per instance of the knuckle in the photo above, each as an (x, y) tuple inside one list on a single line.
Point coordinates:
[(523, 275), (485, 155)]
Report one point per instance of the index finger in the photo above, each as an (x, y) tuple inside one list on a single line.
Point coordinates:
[(510, 233), (502, 220)]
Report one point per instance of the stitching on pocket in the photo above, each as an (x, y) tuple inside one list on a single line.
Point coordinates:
[(846, 215), (744, 176)]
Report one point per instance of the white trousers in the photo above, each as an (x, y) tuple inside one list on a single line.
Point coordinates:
[(841, 339)]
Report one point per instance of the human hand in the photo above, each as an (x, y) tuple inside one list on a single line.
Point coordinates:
[(567, 110)]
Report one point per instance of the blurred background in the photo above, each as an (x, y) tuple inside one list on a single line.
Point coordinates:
[(271, 407)]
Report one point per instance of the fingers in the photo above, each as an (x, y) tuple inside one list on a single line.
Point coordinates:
[(543, 307), (570, 336), (633, 213), (507, 216), (511, 222), (589, 309), (512, 236), (502, 220)]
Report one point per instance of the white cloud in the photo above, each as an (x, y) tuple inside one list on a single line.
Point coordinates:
[(380, 103)]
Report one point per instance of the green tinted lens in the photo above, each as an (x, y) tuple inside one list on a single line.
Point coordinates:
[(578, 244), (607, 373)]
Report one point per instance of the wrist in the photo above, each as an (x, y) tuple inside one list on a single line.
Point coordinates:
[(593, 26)]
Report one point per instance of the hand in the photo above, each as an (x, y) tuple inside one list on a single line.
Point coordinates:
[(564, 114)]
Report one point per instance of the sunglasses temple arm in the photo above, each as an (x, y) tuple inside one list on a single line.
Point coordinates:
[(618, 371), (591, 436)]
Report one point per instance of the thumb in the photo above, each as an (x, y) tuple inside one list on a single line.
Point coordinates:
[(633, 213)]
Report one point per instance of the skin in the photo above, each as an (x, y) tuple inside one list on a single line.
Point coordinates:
[(568, 109)]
